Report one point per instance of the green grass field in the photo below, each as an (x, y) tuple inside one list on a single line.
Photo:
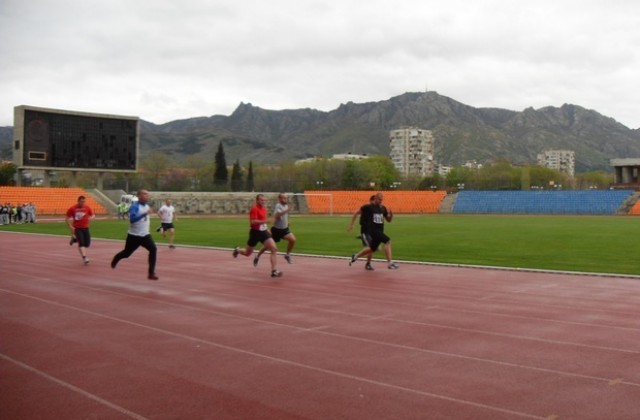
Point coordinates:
[(600, 244)]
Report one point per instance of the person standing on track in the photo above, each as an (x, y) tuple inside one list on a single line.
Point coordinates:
[(373, 217), (138, 233), (78, 218), (167, 217), (259, 233), (280, 229)]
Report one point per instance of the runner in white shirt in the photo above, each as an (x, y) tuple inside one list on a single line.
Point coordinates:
[(138, 234), (167, 215)]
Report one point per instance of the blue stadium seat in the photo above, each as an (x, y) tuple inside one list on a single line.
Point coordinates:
[(596, 202)]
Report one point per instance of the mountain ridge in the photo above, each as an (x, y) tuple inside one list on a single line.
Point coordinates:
[(462, 133)]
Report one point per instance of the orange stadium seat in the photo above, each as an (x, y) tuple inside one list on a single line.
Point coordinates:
[(49, 201), (635, 210), (346, 202)]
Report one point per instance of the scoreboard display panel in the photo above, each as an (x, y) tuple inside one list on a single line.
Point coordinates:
[(57, 139)]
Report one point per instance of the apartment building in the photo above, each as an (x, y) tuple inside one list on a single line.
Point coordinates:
[(412, 151), (560, 160)]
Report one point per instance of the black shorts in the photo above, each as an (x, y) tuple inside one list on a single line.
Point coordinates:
[(256, 236), (278, 233), (166, 226), (83, 237), (374, 238)]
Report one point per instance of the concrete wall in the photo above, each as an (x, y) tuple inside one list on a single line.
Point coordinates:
[(194, 203)]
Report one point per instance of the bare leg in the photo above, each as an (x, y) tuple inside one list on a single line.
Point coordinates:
[(291, 241), (271, 246), (387, 252), (364, 251), (246, 251)]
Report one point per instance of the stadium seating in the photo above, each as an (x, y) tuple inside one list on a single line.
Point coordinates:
[(541, 202), (635, 210), (48, 201), (346, 202)]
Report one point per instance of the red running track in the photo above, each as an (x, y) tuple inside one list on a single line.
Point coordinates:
[(216, 338)]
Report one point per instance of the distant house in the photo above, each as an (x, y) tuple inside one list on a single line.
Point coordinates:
[(339, 156)]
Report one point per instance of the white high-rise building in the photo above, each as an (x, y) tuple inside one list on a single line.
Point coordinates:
[(412, 151), (560, 160)]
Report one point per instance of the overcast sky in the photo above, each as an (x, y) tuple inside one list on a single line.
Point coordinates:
[(168, 60)]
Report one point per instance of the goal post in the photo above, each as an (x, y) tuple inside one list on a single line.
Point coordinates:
[(315, 203)]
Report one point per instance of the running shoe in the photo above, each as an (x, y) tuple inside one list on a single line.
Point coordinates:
[(85, 260), (73, 240), (276, 273), (368, 267), (393, 266), (255, 261), (288, 258), (353, 259), (236, 251), (152, 277)]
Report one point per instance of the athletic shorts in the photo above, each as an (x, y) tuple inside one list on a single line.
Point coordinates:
[(362, 237), (256, 236), (167, 226), (278, 233), (373, 239), (83, 237)]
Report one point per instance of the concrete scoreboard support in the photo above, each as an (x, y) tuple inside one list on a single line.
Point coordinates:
[(54, 140), (627, 171)]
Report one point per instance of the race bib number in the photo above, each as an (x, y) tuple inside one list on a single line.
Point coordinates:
[(263, 226), (378, 218)]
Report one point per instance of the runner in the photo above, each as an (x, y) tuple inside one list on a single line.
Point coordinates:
[(78, 218), (373, 235), (138, 234), (280, 229), (259, 233)]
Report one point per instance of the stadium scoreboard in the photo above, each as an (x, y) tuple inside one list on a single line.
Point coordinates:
[(58, 140)]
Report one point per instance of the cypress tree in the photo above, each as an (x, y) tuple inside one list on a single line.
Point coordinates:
[(249, 186), (236, 177), (221, 175)]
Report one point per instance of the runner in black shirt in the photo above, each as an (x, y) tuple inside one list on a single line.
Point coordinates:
[(373, 216)]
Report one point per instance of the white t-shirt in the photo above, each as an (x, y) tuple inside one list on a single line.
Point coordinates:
[(283, 222), (139, 219), (166, 213)]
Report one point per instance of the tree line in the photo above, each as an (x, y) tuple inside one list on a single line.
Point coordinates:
[(196, 173), (371, 173)]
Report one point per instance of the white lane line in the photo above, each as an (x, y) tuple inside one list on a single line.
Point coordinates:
[(290, 362), (417, 305), (73, 388), (377, 342)]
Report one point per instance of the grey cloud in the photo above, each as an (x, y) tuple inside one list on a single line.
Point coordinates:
[(170, 60)]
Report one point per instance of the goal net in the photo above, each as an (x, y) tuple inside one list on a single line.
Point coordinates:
[(314, 203)]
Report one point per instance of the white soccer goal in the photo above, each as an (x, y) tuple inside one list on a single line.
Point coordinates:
[(321, 203)]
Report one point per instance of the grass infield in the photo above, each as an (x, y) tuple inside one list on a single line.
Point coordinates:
[(595, 244)]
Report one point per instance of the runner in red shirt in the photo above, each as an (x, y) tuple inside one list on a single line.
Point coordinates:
[(78, 217), (260, 233)]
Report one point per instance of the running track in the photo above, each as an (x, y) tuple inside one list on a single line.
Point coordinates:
[(216, 338)]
